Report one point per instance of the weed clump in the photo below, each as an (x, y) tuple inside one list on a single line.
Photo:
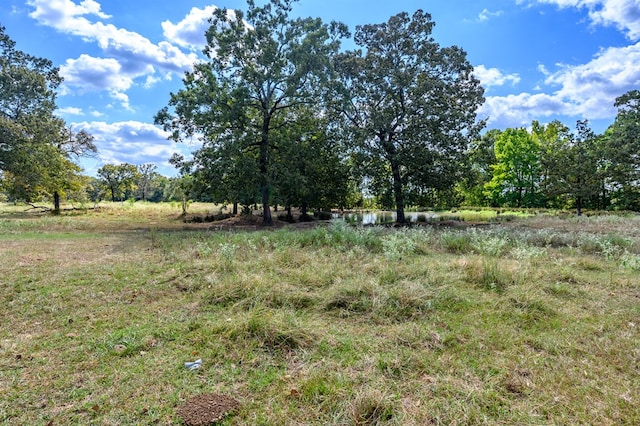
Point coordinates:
[(274, 331), (489, 274), (372, 407), (350, 300)]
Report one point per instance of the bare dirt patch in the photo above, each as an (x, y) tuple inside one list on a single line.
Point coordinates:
[(207, 409)]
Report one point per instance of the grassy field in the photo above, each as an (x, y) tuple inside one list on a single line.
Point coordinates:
[(531, 322)]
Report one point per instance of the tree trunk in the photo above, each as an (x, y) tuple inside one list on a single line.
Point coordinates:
[(304, 213), (579, 206), (264, 174), (605, 204), (390, 150), (266, 210), (56, 202), (397, 192), (520, 197), (235, 208)]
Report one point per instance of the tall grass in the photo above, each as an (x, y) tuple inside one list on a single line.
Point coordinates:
[(507, 324)]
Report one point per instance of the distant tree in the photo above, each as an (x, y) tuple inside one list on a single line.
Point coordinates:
[(223, 174), (550, 139), (411, 105), (158, 185), (574, 169), (620, 146), (36, 148), (145, 180), (180, 189), (27, 102), (72, 145), (95, 190), (261, 65), (517, 172), (119, 180), (480, 160)]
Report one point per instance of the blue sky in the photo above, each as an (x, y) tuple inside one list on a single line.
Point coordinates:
[(537, 59)]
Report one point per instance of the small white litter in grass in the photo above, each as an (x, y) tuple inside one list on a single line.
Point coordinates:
[(193, 365)]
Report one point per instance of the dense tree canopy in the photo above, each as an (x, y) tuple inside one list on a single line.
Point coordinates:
[(621, 149), (411, 106), (119, 180), (36, 147), (287, 119), (262, 66), (516, 173)]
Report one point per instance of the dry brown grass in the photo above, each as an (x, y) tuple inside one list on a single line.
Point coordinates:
[(317, 326)]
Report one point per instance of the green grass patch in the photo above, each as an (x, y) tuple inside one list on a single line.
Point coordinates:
[(532, 321)]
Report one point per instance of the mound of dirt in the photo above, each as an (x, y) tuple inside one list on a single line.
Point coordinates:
[(206, 409)]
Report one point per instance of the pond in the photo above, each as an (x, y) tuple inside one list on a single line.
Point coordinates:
[(381, 217)]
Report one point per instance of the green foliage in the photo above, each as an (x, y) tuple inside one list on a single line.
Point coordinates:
[(490, 274), (150, 185), (480, 161), (310, 171), (36, 148), (265, 71), (574, 167), (489, 245), (227, 252), (620, 147), (516, 173), (630, 261), (409, 107), (398, 244), (119, 180), (456, 241)]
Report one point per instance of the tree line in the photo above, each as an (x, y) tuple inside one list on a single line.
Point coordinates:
[(554, 167), (288, 118)]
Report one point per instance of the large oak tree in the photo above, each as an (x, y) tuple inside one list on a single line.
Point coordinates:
[(411, 105), (36, 148), (261, 65)]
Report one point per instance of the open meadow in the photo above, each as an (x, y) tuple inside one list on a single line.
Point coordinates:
[(534, 321)]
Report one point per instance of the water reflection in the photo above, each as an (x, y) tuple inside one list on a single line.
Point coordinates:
[(381, 217)]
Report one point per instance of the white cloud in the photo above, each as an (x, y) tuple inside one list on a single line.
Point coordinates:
[(94, 74), (151, 81), (190, 31), (623, 14), (494, 77), (122, 98), (583, 91), (542, 69), (131, 142), (70, 111), (486, 14), (67, 17), (129, 55), (89, 74), (593, 87), (520, 110)]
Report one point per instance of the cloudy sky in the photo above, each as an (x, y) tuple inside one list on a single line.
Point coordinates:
[(537, 59)]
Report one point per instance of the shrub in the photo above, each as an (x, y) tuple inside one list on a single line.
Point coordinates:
[(398, 244), (456, 241)]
